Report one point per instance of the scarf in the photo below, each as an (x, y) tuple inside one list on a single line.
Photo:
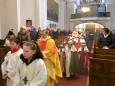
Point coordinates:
[(15, 50), (105, 36)]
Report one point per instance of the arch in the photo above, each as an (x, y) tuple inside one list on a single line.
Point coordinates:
[(91, 26)]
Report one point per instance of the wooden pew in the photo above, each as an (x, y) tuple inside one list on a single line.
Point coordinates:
[(102, 67), (2, 41), (100, 56), (104, 51), (3, 52), (102, 72)]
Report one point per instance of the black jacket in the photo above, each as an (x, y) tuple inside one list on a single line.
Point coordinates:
[(109, 41)]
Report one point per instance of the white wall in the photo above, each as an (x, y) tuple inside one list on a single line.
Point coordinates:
[(110, 8), (63, 15), (0, 27), (3, 30), (11, 15), (43, 13), (37, 13), (0, 16), (27, 10), (8, 17), (70, 10), (18, 15)]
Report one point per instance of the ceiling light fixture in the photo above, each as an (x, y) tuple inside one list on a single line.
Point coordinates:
[(85, 9)]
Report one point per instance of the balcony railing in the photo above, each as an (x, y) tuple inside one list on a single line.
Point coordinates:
[(90, 14)]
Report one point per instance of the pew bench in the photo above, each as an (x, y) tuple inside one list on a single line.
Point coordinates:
[(3, 52), (102, 67), (2, 41), (102, 72)]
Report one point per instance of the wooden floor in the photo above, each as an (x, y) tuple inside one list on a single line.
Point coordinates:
[(82, 81)]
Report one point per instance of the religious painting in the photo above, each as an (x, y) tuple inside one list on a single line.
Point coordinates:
[(28, 23), (52, 10)]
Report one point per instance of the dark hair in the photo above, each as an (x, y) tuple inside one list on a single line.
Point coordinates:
[(106, 30), (16, 40), (34, 46), (10, 32)]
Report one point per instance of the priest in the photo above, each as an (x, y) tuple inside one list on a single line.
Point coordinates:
[(48, 47)]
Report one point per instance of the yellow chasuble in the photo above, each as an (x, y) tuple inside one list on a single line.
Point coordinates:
[(52, 62)]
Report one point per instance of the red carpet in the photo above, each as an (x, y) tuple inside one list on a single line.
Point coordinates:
[(82, 81)]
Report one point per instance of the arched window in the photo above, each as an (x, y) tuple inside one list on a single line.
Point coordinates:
[(102, 1), (78, 2), (92, 26)]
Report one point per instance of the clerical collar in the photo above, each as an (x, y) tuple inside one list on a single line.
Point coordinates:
[(26, 60), (44, 39)]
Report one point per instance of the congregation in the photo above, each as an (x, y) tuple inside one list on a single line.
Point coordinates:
[(41, 57)]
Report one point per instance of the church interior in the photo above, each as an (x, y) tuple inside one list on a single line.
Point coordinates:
[(77, 23)]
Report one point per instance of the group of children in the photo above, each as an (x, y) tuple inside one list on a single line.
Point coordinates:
[(24, 67), (76, 58)]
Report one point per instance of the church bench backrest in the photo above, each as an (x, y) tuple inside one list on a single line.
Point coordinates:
[(2, 42), (3, 52), (2, 46), (5, 49), (102, 72), (103, 66), (104, 51), (101, 56), (1, 55)]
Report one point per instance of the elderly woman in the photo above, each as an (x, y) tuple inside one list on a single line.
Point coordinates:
[(106, 39)]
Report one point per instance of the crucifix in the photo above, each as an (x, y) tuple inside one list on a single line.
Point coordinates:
[(25, 80)]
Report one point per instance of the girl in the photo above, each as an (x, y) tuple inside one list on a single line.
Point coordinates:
[(31, 70), (83, 58), (8, 67), (67, 50)]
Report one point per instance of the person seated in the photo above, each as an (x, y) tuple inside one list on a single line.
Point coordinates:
[(24, 35), (7, 40), (106, 39)]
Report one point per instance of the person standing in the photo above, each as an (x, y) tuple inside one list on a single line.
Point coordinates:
[(83, 57), (67, 50), (31, 69), (74, 63), (48, 47), (8, 67), (33, 33)]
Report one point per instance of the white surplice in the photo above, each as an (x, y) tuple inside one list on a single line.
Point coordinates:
[(35, 72), (9, 65), (68, 59)]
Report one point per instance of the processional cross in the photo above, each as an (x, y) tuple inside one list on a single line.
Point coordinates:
[(25, 80)]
